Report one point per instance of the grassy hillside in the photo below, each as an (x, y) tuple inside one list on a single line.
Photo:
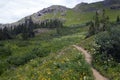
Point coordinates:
[(73, 17)]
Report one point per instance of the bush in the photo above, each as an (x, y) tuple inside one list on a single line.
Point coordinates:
[(40, 52), (20, 60), (1, 44), (23, 43), (109, 43), (5, 51), (3, 66)]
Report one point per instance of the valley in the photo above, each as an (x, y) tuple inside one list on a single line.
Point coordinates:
[(60, 43)]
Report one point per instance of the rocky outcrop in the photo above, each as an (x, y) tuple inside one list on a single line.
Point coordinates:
[(53, 9), (111, 2), (115, 7), (80, 6), (36, 16), (85, 7)]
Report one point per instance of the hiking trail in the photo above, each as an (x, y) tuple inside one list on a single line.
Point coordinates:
[(88, 59)]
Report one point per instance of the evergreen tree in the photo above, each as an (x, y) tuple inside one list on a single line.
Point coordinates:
[(104, 21), (1, 34), (6, 33), (31, 28), (25, 33), (91, 29), (98, 24), (28, 29), (118, 19)]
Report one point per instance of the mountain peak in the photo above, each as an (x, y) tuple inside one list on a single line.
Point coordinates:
[(53, 8)]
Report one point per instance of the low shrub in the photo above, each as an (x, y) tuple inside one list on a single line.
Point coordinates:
[(20, 60), (23, 43), (3, 66), (40, 52), (5, 51)]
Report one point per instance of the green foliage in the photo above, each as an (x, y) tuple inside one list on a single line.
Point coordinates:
[(106, 55), (5, 51), (5, 33), (50, 23), (23, 43), (66, 64), (98, 24), (118, 19), (107, 65), (27, 30), (3, 66), (109, 43), (40, 52), (40, 46), (20, 60)]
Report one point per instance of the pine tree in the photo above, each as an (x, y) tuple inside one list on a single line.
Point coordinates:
[(6, 33), (31, 28), (25, 33), (118, 19), (92, 29), (96, 24), (1, 34), (99, 24)]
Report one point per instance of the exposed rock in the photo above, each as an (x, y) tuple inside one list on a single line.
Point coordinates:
[(63, 14), (85, 7), (111, 2), (80, 6), (52, 9), (115, 7), (36, 16)]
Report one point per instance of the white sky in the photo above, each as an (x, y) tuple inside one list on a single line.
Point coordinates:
[(13, 10)]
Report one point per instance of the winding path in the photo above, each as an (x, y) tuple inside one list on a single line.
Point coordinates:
[(88, 59)]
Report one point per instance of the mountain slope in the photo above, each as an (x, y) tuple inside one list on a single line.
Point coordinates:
[(81, 13)]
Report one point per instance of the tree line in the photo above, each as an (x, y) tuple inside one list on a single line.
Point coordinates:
[(26, 30), (107, 36)]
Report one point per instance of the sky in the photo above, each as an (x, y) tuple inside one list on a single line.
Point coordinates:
[(14, 10)]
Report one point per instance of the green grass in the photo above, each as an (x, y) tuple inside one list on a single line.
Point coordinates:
[(73, 17), (28, 62), (111, 70), (68, 64), (28, 56)]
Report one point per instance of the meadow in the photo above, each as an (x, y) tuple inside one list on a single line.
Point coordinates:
[(48, 56)]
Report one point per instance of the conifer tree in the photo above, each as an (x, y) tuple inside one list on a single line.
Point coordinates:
[(118, 19), (1, 34), (96, 22), (6, 33)]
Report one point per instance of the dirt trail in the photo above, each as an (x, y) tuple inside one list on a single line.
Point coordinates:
[(88, 58)]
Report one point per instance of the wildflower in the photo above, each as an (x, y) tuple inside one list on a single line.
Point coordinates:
[(85, 77), (62, 61), (67, 59), (49, 72), (43, 78)]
